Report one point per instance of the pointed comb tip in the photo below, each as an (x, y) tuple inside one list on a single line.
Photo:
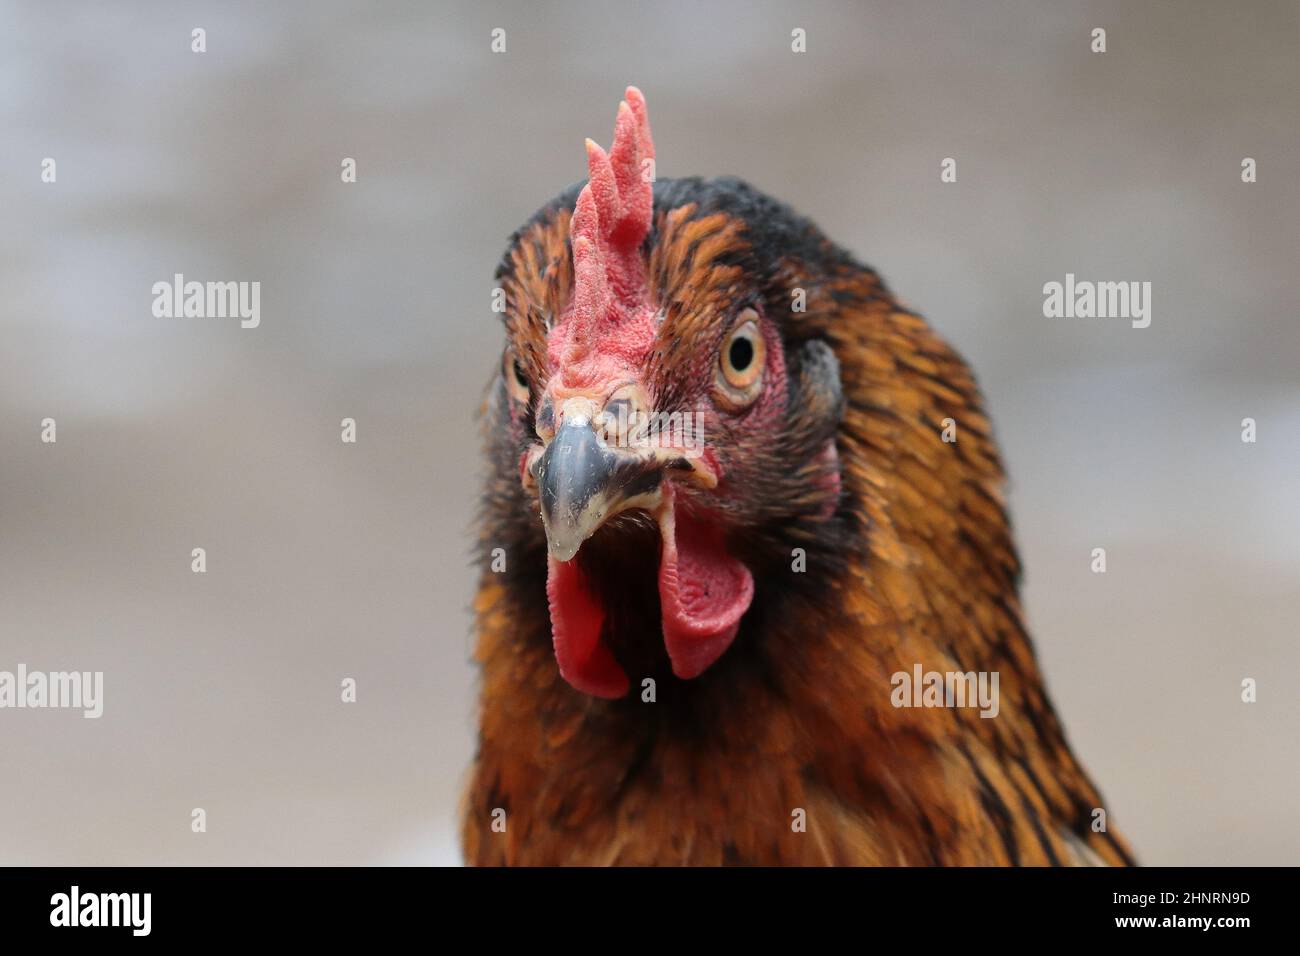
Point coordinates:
[(585, 223), (611, 218), (603, 187), (626, 153), (636, 103)]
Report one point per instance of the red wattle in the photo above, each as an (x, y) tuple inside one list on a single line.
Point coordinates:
[(703, 593), (576, 622)]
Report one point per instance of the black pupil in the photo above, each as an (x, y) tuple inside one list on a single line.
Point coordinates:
[(519, 375), (741, 354)]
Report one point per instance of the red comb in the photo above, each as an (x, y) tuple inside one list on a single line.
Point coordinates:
[(610, 221)]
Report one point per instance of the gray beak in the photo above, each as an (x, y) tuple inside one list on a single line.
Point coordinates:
[(582, 483)]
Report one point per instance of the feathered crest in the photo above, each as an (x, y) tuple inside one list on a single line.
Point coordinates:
[(610, 221)]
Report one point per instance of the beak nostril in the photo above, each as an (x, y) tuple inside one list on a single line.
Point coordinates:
[(622, 411)]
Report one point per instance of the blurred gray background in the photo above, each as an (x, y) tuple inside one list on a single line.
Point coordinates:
[(328, 560)]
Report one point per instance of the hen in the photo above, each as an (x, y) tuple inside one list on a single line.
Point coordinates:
[(739, 500)]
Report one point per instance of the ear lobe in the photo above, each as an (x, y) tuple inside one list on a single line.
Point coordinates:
[(816, 398)]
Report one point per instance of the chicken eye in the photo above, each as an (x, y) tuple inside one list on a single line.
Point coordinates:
[(740, 362), (516, 380), (740, 354)]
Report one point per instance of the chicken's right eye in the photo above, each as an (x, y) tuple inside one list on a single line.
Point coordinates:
[(516, 380)]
